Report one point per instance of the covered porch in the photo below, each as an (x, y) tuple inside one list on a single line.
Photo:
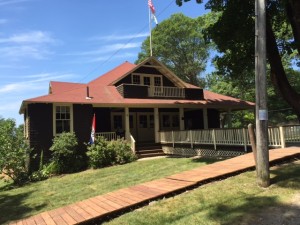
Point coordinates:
[(143, 125)]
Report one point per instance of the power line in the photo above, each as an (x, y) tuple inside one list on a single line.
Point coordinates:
[(121, 48)]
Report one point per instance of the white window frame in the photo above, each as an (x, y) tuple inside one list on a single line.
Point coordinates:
[(147, 75), (54, 118)]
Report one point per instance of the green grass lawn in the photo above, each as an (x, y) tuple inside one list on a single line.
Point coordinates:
[(234, 201), (17, 203)]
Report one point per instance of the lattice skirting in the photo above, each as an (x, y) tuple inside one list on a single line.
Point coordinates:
[(188, 152)]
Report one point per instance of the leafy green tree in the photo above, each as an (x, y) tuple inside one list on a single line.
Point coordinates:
[(233, 34), (14, 151), (179, 43)]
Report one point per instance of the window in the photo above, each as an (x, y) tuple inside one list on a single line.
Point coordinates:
[(136, 79), (157, 81), (147, 81), (118, 122), (62, 119), (170, 120), (143, 121)]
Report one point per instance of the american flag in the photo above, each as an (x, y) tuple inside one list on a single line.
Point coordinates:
[(92, 139), (151, 6)]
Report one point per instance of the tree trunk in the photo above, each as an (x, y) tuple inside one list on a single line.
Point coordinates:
[(293, 14), (278, 75)]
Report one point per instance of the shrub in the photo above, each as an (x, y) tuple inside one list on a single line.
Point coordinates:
[(65, 157), (106, 153), (99, 154), (122, 151), (14, 151)]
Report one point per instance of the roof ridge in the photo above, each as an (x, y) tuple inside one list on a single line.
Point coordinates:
[(110, 72)]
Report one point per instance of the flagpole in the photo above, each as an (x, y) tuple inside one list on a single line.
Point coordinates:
[(150, 28)]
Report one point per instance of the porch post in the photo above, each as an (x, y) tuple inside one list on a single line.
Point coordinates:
[(156, 125), (127, 128), (205, 119), (229, 118), (181, 119)]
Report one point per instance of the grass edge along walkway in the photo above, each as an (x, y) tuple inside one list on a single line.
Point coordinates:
[(122, 200)]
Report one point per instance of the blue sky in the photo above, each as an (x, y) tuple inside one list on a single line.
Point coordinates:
[(70, 40)]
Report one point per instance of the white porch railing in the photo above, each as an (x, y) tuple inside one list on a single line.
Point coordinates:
[(109, 136), (168, 92), (278, 136), (132, 143)]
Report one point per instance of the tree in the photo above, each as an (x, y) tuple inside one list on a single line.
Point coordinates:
[(14, 151), (233, 34), (179, 43)]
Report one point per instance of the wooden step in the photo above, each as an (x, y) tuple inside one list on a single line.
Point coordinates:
[(149, 153)]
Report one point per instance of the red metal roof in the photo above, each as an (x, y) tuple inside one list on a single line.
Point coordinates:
[(101, 92)]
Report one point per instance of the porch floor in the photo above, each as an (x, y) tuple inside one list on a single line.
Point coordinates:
[(116, 202)]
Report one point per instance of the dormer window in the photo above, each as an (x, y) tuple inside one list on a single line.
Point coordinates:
[(136, 79), (149, 80)]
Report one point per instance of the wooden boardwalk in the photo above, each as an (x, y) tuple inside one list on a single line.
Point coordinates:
[(124, 199)]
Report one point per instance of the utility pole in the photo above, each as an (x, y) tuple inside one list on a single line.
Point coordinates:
[(262, 158)]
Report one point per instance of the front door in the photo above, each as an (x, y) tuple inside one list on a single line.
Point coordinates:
[(145, 127)]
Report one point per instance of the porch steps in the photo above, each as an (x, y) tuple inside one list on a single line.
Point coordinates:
[(144, 150)]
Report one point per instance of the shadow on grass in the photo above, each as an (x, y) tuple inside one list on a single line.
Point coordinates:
[(256, 210), (12, 207), (287, 176), (206, 160)]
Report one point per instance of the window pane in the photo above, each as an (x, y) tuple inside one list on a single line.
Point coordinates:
[(118, 122), (157, 81), (147, 81), (143, 121), (130, 121), (151, 122), (175, 121), (59, 127), (166, 121), (66, 125), (136, 79)]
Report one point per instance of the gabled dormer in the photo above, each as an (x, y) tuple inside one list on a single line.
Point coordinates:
[(151, 79)]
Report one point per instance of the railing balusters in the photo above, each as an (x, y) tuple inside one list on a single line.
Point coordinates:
[(235, 137)]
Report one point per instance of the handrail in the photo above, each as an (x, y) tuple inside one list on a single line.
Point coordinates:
[(109, 136), (277, 136), (132, 143), (160, 91)]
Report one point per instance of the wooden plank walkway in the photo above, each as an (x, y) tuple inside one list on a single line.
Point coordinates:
[(120, 200)]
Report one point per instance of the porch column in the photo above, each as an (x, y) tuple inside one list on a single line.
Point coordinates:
[(181, 118), (156, 125), (229, 118), (205, 119), (127, 128)]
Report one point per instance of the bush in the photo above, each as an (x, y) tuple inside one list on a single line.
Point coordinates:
[(122, 151), (65, 157), (106, 153), (99, 154), (14, 151)]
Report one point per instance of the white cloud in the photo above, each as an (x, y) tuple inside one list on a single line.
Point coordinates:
[(126, 56), (115, 37), (34, 37), (107, 48), (16, 52), (3, 21), (32, 82), (10, 2), (34, 44)]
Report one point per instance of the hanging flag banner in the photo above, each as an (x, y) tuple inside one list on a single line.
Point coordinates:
[(92, 139), (152, 9)]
